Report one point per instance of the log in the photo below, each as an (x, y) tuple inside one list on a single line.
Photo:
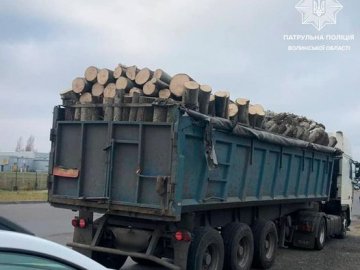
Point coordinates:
[(243, 113), (97, 90), (86, 114), (171, 113), (221, 103), (131, 72), (233, 112), (191, 95), (69, 98), (143, 76), (126, 110), (145, 113), (260, 115), (91, 74), (77, 113), (211, 110), (252, 115), (332, 141), (109, 95), (105, 76), (135, 89), (160, 113), (177, 87), (119, 71), (124, 83), (162, 76), (118, 100), (164, 93), (152, 87), (135, 93), (204, 98), (80, 85)]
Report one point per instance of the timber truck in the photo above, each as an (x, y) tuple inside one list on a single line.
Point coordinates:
[(198, 193)]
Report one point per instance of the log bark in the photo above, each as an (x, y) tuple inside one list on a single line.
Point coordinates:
[(124, 83), (86, 113), (162, 76), (131, 72), (204, 98), (191, 95), (143, 76), (77, 113), (80, 85), (160, 113), (171, 113), (118, 100), (211, 110), (109, 95), (135, 93), (332, 141), (126, 110), (177, 87), (243, 106), (221, 103), (91, 74), (105, 76), (164, 93), (145, 113), (119, 71), (260, 115)]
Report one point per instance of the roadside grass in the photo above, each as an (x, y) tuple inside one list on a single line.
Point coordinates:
[(19, 196)]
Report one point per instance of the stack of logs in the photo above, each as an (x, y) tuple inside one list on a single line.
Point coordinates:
[(128, 93)]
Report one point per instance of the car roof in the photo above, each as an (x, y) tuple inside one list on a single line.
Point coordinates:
[(25, 242)]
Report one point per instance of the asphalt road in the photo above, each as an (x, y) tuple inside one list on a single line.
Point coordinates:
[(55, 224)]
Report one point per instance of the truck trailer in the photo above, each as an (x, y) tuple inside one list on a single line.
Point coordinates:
[(197, 193)]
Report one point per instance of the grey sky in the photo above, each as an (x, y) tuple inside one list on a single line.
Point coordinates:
[(232, 45)]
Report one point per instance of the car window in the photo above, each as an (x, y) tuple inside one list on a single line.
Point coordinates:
[(21, 261)]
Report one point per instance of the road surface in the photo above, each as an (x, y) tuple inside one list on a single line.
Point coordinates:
[(55, 224)]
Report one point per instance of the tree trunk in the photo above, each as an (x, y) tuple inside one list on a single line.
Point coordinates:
[(233, 112), (243, 106), (221, 103), (152, 87), (124, 83), (135, 93), (118, 100), (204, 98), (131, 72), (69, 98), (191, 95), (143, 76), (332, 141), (260, 116), (145, 113), (109, 95), (97, 92), (177, 87), (91, 74), (162, 76), (119, 71), (105, 76), (86, 112), (80, 85), (126, 110)]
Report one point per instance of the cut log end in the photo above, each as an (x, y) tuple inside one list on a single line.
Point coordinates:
[(164, 93), (105, 76), (124, 83), (120, 70), (79, 85), (91, 74), (110, 90), (177, 87), (131, 72), (85, 98), (143, 76), (97, 90)]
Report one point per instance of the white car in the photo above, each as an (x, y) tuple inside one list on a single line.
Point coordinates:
[(26, 252)]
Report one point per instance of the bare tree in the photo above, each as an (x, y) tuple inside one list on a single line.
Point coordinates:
[(30, 144), (19, 145)]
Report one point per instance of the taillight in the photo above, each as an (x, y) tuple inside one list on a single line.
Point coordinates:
[(182, 236), (75, 222), (82, 223), (79, 222)]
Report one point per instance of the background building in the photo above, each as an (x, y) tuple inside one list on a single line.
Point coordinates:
[(24, 162)]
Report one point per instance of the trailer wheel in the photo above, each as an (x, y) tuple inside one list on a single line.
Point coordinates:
[(206, 250), (320, 235), (239, 246), (265, 243)]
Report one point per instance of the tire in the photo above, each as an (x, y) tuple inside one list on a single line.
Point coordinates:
[(239, 246), (109, 260), (206, 250), (265, 243), (320, 238)]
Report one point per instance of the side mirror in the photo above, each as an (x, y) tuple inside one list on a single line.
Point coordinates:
[(357, 170)]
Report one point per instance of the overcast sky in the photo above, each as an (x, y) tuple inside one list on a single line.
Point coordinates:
[(233, 45)]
